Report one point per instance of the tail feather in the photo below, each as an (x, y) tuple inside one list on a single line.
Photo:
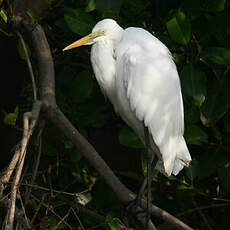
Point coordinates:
[(175, 156)]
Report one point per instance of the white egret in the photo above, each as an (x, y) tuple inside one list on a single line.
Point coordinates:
[(136, 72)]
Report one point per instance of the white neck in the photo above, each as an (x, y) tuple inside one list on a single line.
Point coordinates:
[(103, 63)]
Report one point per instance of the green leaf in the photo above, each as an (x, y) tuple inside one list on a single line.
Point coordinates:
[(215, 5), (194, 135), (79, 22), (3, 15), (31, 14), (217, 55), (219, 5), (108, 5), (90, 6), (21, 50), (128, 138), (11, 118), (179, 28), (193, 83), (81, 86), (113, 222), (216, 103)]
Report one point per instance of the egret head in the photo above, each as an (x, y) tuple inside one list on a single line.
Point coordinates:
[(105, 29)]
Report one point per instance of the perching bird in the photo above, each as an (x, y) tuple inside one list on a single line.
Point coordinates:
[(136, 72)]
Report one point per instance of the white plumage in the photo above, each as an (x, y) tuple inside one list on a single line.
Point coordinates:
[(136, 72)]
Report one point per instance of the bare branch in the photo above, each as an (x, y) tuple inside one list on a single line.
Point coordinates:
[(36, 163), (10, 216), (24, 211), (30, 119), (7, 174), (75, 214), (202, 215), (29, 65), (203, 208), (62, 220)]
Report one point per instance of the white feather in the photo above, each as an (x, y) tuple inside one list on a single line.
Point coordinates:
[(136, 71)]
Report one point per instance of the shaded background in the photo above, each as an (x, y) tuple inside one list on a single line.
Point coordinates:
[(198, 35)]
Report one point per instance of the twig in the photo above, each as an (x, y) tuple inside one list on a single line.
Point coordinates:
[(37, 162), (24, 211), (199, 50), (55, 191), (202, 215), (29, 64), (39, 144), (6, 34), (51, 210), (37, 209), (64, 217), (27, 132), (86, 211), (3, 199), (94, 215), (10, 217), (202, 208), (18, 216), (7, 174), (75, 214)]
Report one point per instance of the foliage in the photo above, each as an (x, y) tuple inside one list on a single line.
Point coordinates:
[(198, 35)]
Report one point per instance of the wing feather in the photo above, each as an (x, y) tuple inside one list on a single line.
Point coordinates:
[(152, 87)]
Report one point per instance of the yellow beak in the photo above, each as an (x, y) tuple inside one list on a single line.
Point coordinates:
[(85, 40), (80, 42)]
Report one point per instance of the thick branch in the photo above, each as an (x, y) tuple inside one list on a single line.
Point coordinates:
[(45, 64)]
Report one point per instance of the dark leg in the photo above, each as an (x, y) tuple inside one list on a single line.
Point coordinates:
[(138, 198), (149, 158), (143, 186), (151, 162)]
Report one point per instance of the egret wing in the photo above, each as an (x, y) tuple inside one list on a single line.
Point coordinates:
[(152, 88)]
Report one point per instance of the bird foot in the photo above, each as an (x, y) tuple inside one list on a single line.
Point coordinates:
[(132, 206), (134, 209)]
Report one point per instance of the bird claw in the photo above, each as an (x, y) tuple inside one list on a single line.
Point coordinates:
[(131, 208)]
